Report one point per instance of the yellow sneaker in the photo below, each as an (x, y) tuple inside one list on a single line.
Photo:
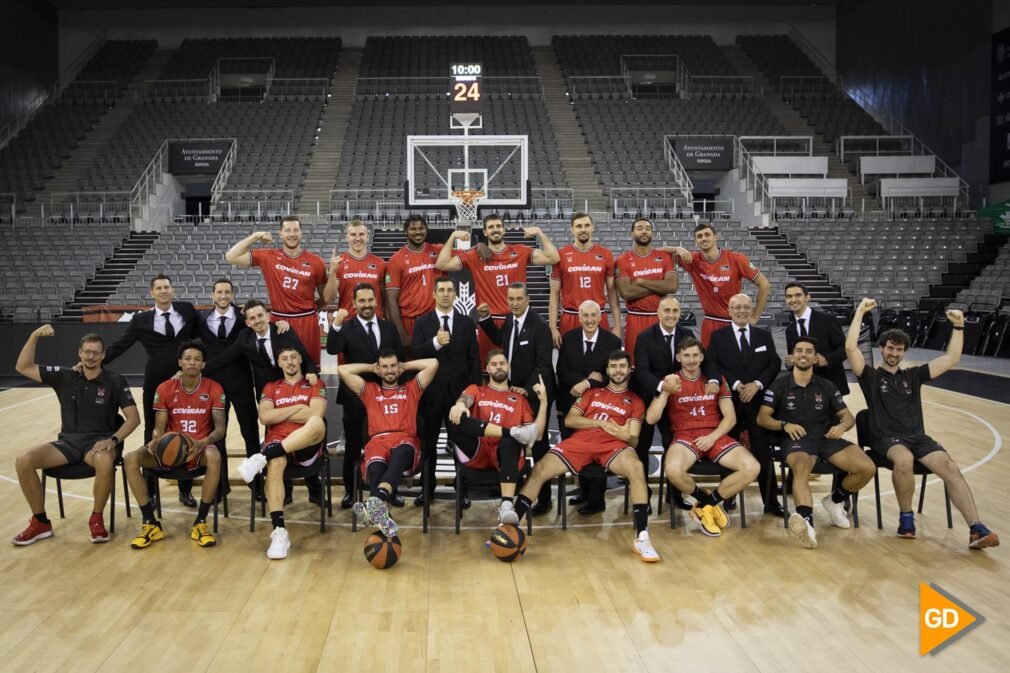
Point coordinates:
[(149, 534), (703, 517), (719, 516), (201, 533)]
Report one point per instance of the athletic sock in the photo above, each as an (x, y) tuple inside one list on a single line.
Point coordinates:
[(522, 505), (640, 513), (41, 517), (507, 498), (806, 512), (147, 511), (840, 494), (382, 494), (716, 497), (201, 513), (277, 519), (700, 495)]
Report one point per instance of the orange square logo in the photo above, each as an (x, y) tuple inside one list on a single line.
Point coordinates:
[(942, 619)]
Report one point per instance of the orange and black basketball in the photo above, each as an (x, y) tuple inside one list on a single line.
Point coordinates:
[(172, 449), (381, 551), (508, 543)]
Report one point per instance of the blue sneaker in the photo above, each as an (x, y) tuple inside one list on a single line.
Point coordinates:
[(981, 537), (906, 525)]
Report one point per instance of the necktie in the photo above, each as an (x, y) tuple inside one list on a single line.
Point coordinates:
[(371, 333), (263, 349), (169, 330), (515, 339), (669, 344), (744, 344), (445, 323), (803, 326), (589, 346), (222, 333)]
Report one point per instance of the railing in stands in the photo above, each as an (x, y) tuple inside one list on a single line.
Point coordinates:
[(609, 86), (147, 184), (301, 88), (680, 176), (438, 87), (666, 75), (104, 91), (8, 207), (874, 146), (791, 86), (659, 202), (221, 179), (249, 204), (877, 110), (196, 90), (552, 201), (777, 146), (73, 207), (753, 178)]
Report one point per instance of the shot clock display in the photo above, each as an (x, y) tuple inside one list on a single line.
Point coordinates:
[(466, 93)]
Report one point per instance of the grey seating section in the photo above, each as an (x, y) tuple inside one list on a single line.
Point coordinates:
[(431, 56), (294, 57), (71, 257), (991, 286), (588, 55), (917, 253), (117, 61)]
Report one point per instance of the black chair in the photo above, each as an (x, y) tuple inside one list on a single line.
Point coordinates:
[(178, 473), (820, 467), (706, 468), (863, 437), (467, 477), (359, 495), (320, 467)]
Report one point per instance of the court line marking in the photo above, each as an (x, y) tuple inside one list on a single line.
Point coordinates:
[(26, 402)]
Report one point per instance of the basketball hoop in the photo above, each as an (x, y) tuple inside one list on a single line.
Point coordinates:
[(465, 201)]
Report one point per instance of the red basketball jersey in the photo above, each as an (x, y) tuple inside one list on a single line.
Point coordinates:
[(369, 269), (392, 409), (491, 279), (190, 411), (717, 281), (604, 404), (692, 408), (414, 274), (501, 407), (291, 281), (654, 266), (583, 275), (284, 394)]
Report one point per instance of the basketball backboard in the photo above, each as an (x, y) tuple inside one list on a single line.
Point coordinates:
[(438, 165)]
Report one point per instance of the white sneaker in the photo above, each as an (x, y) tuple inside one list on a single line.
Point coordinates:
[(643, 548), (524, 434), (836, 512), (801, 529), (507, 514), (280, 542), (251, 466)]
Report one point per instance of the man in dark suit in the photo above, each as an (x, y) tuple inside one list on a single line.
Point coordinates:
[(257, 347), (160, 331), (747, 359), (582, 364), (526, 340), (359, 339), (451, 338), (821, 326), (655, 351)]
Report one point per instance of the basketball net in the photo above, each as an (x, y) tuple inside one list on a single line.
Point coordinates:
[(466, 201)]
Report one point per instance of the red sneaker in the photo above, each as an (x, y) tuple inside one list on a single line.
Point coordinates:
[(97, 525), (36, 531)]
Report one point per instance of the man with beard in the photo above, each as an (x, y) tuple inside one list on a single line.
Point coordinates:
[(585, 272), (701, 421), (506, 264), (292, 410), (897, 431), (393, 450), (410, 278), (490, 426), (606, 423), (809, 410), (293, 276), (644, 276)]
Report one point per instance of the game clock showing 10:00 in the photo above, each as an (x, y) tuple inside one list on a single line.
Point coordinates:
[(466, 92)]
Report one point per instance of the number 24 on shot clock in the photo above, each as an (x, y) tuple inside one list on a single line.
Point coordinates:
[(466, 92)]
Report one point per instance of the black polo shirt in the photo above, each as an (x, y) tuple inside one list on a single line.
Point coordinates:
[(88, 407), (895, 401), (814, 406)]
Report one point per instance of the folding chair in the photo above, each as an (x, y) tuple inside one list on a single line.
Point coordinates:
[(466, 477), (181, 472)]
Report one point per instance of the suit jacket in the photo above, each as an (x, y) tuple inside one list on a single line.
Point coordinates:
[(532, 356), (246, 346), (654, 360), (574, 366), (236, 374), (830, 343), (162, 352), (761, 363), (458, 362), (353, 342)]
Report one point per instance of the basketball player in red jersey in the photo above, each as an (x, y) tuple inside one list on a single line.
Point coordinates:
[(644, 276), (490, 426), (586, 271), (193, 405), (292, 409), (293, 276), (410, 278), (492, 277), (701, 421), (606, 422), (355, 266), (393, 450), (717, 274)]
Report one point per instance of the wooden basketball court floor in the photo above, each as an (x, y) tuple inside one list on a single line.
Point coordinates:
[(753, 600)]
